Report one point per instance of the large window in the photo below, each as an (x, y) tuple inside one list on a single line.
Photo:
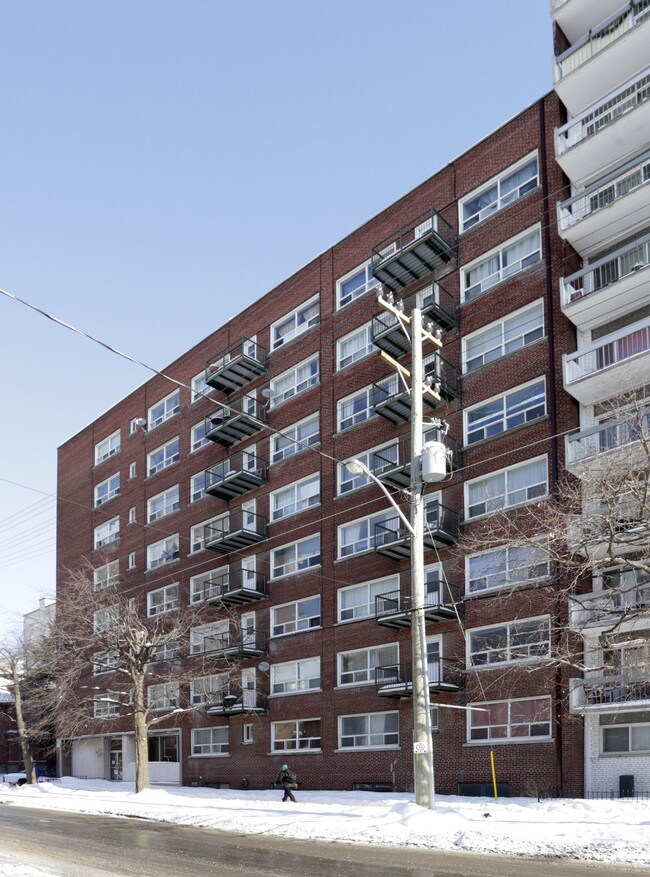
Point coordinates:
[(369, 731), (163, 504), (210, 741), (354, 284), (357, 536), (376, 461), (625, 734), (517, 330), (105, 662), (295, 323), (506, 567), (163, 600), (107, 489), (198, 533), (522, 640), (295, 438), (162, 552), (207, 689), (205, 585), (106, 618), (202, 638), (106, 533), (497, 193), (295, 557), (164, 747), (510, 487), (298, 379), (163, 410), (163, 456), (165, 696), (295, 617), (200, 387), (510, 720), (354, 346), (197, 438), (197, 486), (295, 676), (354, 409), (106, 575), (301, 734), (106, 705), (107, 447), (358, 667), (515, 408), (297, 497), (509, 259), (358, 601)]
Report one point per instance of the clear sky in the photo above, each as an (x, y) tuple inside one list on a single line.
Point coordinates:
[(165, 163)]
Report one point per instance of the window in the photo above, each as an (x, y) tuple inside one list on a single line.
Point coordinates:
[(506, 567), (163, 410), (105, 619), (107, 448), (510, 487), (205, 585), (201, 638), (295, 557), (354, 284), (301, 734), (163, 504), (516, 408), (522, 640), (107, 489), (166, 652), (207, 689), (354, 409), (162, 552), (298, 379), (358, 667), (369, 731), (295, 676), (295, 617), (132, 513), (199, 387), (376, 461), (510, 719), (513, 256), (210, 741), (198, 532), (164, 696), (354, 346), (295, 438), (357, 536), (297, 497), (625, 734), (163, 747), (198, 439), (163, 456), (505, 336), (107, 532), (247, 733), (131, 560), (498, 193), (163, 600), (106, 705), (135, 423), (197, 486), (106, 575), (133, 470), (295, 323), (105, 662), (358, 601)]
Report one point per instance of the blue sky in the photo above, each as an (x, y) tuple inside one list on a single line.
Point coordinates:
[(164, 164)]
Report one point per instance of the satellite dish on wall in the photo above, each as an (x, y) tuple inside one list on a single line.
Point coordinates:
[(264, 666)]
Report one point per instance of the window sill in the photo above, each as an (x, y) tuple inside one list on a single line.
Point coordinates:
[(293, 515), (295, 693), (298, 572), (358, 749), (505, 509), (210, 755), (291, 753), (512, 431), (510, 741), (277, 636), (300, 450)]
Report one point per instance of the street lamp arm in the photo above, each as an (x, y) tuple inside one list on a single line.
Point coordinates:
[(356, 467)]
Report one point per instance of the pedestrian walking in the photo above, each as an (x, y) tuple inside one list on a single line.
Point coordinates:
[(287, 780)]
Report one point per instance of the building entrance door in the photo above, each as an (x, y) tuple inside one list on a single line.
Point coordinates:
[(116, 762)]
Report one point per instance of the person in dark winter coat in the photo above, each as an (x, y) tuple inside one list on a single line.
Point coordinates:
[(287, 780)]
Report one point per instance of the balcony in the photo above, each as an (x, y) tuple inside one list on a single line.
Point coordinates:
[(605, 132), (236, 644), (234, 588), (392, 465), (577, 17), (603, 211), (238, 420), (609, 694), (436, 304), (397, 680), (394, 609), (236, 475), (237, 365), (239, 529), (613, 365), (611, 443), (392, 399), (603, 56), (624, 606), (441, 527), (238, 701), (413, 251)]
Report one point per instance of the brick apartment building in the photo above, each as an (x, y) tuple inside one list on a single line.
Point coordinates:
[(176, 498)]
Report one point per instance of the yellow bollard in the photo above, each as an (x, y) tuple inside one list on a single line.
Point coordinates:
[(494, 776)]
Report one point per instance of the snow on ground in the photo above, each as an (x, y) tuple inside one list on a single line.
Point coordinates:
[(617, 832)]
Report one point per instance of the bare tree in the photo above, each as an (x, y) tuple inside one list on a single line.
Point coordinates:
[(116, 660)]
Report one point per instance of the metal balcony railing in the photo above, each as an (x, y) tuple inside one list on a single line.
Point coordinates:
[(625, 345), (590, 443), (605, 272), (238, 420), (236, 700), (441, 528), (413, 251), (609, 607), (237, 644), (234, 366), (233, 587), (395, 608), (437, 305), (236, 475), (396, 680), (238, 529)]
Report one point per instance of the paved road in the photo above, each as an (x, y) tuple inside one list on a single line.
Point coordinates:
[(75, 845)]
